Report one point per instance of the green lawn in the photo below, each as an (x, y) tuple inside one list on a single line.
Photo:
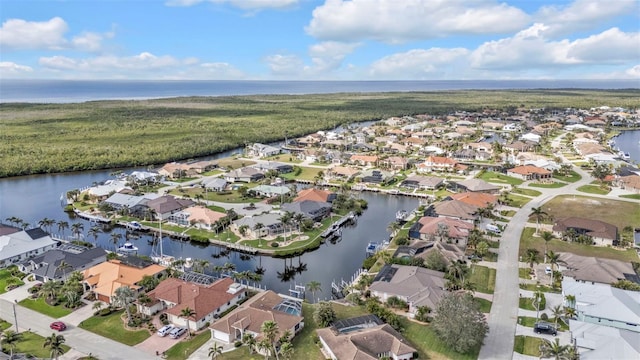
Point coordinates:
[(555, 184), (234, 163), (509, 213), (593, 189), (491, 176), (517, 200), (527, 304), (572, 177), (483, 304), (4, 325), (631, 196), (32, 344), (285, 158), (527, 192), (484, 278), (242, 353), (307, 173), (184, 348), (112, 327), (616, 212), (524, 273), (527, 345), (527, 321), (543, 288), (305, 347), (528, 241), (5, 275), (42, 307), (232, 196), (429, 346)]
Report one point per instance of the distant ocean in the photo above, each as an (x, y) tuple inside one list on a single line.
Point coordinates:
[(69, 91)]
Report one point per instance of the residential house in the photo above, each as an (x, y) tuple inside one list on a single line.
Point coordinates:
[(395, 163), (364, 338), (316, 195), (422, 182), (475, 185), (603, 304), (342, 172), (105, 278), (519, 146), (262, 150), (167, 205), (438, 163), (103, 191), (441, 228), (374, 176), (280, 168), (175, 170), (535, 138), (215, 184), (260, 225), (130, 204), (629, 182), (314, 210), (270, 190), (364, 160), (415, 285), (198, 216), (18, 245), (246, 174), (596, 269), (530, 172), (203, 166), (601, 233), (208, 302), (478, 199), (597, 342), (454, 209), (249, 317), (47, 267)]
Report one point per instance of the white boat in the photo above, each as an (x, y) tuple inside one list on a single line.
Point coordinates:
[(402, 215), (127, 247)]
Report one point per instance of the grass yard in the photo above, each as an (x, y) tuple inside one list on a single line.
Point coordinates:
[(616, 212), (527, 192), (631, 196), (4, 325), (234, 163), (524, 273), (553, 185), (483, 304), (429, 346), (543, 288), (41, 306), (5, 278), (242, 353), (527, 303), (484, 278), (112, 327), (528, 241), (491, 176), (593, 189), (32, 344), (527, 321), (185, 347), (509, 213), (307, 173), (285, 158), (517, 200), (572, 177), (527, 345)]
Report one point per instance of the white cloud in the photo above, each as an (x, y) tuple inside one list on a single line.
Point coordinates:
[(634, 72), (242, 4), (90, 41), (21, 34), (7, 67), (284, 64), (420, 64), (530, 48), (142, 62), (328, 55), (396, 21), (582, 14), (220, 71)]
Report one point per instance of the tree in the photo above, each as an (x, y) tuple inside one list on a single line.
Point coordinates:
[(539, 215), (46, 224), (94, 231), (393, 228), (64, 266), (215, 350), (257, 228), (600, 171), (553, 259), (54, 342), (435, 261), (50, 288), (10, 338), (123, 297), (314, 286), (62, 226), (115, 237), (459, 323), (286, 350), (557, 311), (187, 313), (97, 306), (324, 314), (77, 229), (546, 236), (531, 257), (249, 340), (270, 332), (482, 248), (549, 349)]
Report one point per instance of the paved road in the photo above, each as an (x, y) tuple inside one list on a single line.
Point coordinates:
[(80, 340), (504, 312)]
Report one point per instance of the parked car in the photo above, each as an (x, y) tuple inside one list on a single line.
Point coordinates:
[(177, 332), (58, 325), (545, 328), (163, 331), (547, 270)]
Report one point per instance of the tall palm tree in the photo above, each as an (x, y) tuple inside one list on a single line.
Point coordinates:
[(50, 288), (123, 297), (46, 224), (553, 259), (570, 300), (569, 312), (531, 256), (270, 332), (62, 226), (64, 266), (314, 286), (186, 313), (54, 342), (115, 237), (557, 311), (258, 227), (298, 219), (94, 231), (549, 349), (249, 340), (546, 236), (215, 350), (286, 350), (77, 229), (10, 338), (202, 265), (539, 215), (286, 220), (393, 228)]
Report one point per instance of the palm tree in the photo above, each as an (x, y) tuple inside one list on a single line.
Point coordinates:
[(270, 332), (55, 343), (546, 236), (557, 312), (531, 256), (123, 297), (539, 214), (570, 300), (553, 259), (64, 266), (186, 313), (298, 219), (553, 349), (62, 226), (115, 237), (46, 223), (215, 350), (314, 286), (250, 341), (50, 288), (10, 338), (265, 347), (97, 306), (286, 350), (76, 229), (286, 220), (94, 231), (393, 227), (570, 312), (258, 228)]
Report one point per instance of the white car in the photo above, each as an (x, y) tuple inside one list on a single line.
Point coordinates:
[(163, 331), (547, 270)]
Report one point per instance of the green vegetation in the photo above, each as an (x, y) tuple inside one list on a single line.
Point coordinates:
[(527, 192), (616, 212), (484, 305), (242, 353), (7, 279), (527, 345), (428, 344), (593, 189), (41, 306), (4, 325), (111, 134), (495, 177), (304, 344), (306, 173), (527, 241), (527, 303), (517, 200), (524, 273), (112, 327), (572, 177), (483, 278), (631, 196), (527, 321), (31, 343), (184, 348), (555, 184), (543, 288)]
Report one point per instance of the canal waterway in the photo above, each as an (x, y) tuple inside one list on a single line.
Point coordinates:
[(629, 142), (32, 198)]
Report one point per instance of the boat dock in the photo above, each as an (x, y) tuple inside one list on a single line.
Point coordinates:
[(334, 229)]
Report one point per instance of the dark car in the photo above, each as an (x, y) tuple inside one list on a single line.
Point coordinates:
[(545, 328), (58, 325)]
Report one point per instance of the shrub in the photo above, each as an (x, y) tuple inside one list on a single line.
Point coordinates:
[(237, 343), (274, 244), (544, 316), (104, 312)]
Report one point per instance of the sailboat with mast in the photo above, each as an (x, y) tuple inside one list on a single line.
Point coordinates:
[(157, 255)]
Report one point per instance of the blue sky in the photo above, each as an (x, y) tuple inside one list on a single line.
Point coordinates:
[(320, 40)]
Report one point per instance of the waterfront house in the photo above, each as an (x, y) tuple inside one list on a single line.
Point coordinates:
[(269, 191), (18, 245), (262, 150), (174, 170), (342, 172), (475, 185), (105, 278), (602, 233), (314, 210), (130, 204), (260, 225), (279, 167), (374, 176), (198, 216), (103, 191), (478, 199), (246, 174), (249, 317), (422, 182), (363, 338), (165, 206), (438, 163), (46, 266), (530, 172), (172, 295), (454, 209), (442, 229), (415, 285), (202, 166), (316, 195)]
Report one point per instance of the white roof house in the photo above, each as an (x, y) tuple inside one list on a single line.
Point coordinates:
[(530, 137), (22, 244), (110, 186), (598, 342)]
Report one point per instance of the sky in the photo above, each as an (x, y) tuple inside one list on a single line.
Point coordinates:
[(319, 39)]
